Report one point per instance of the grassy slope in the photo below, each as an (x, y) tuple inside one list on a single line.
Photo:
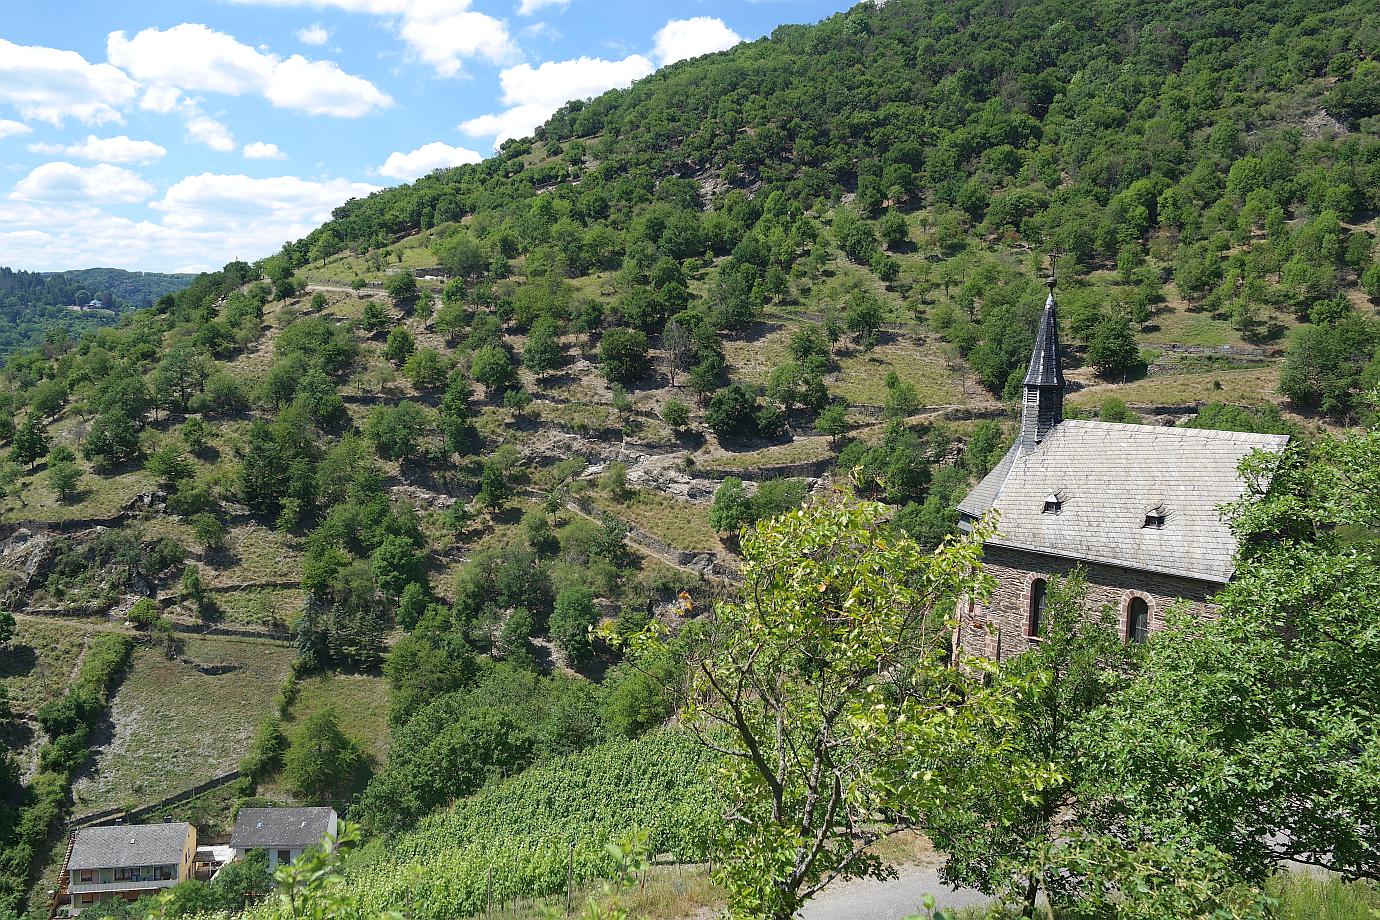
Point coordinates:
[(173, 726), (360, 703)]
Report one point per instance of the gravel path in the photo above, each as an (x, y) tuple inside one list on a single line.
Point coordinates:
[(867, 899)]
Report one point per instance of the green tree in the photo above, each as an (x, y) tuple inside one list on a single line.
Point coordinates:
[(895, 232), (195, 433), (396, 564), (321, 762), (64, 478), (402, 288), (30, 441), (208, 530), (194, 590), (676, 414), (1113, 348), (873, 680), (263, 471), (864, 316), (397, 431), (623, 355), (833, 421), (111, 440), (373, 317), (571, 621), (543, 351), (170, 465), (996, 835), (427, 369), (411, 604), (243, 881), (1220, 743), (902, 401), (1358, 96), (492, 367), (1324, 365), (400, 345), (733, 412), (732, 508), (1116, 410)]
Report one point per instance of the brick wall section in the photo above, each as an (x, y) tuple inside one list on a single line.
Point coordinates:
[(1007, 610)]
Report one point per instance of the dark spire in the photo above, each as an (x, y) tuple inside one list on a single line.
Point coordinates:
[(1043, 403), (1046, 370)]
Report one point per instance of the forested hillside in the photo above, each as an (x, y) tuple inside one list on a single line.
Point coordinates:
[(33, 303), (373, 506)]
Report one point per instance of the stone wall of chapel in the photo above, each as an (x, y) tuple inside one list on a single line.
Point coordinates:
[(1000, 628)]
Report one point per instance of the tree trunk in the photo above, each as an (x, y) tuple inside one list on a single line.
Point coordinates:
[(1032, 891)]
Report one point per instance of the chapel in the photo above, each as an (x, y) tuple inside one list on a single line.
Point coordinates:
[(1137, 507)]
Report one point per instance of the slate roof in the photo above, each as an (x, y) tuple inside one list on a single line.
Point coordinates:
[(128, 846), (1107, 476), (285, 828), (1044, 370)]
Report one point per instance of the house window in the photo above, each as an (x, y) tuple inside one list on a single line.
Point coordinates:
[(1155, 517), (1137, 619), (284, 857), (1054, 503), (1035, 622)]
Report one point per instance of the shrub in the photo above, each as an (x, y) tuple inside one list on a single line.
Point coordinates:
[(144, 612)]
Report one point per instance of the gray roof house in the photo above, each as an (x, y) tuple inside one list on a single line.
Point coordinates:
[(284, 833), (1138, 507), (128, 861)]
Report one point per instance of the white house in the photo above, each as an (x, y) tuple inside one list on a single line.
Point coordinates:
[(282, 833)]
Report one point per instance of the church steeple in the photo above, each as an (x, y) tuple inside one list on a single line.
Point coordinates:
[(1043, 403)]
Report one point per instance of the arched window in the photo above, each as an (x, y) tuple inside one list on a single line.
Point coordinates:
[(1035, 623), (1137, 620)]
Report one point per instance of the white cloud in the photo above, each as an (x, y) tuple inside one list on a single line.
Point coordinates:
[(13, 128), (446, 38), (542, 29), (120, 149), (532, 94), (49, 84), (259, 150), (686, 38), (528, 7), (441, 33), (424, 159), (296, 205), (195, 58), (322, 88), (203, 129), (314, 34), (207, 220), (161, 99), (99, 184)]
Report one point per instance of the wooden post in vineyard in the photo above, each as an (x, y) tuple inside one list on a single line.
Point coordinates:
[(570, 878), (489, 891)]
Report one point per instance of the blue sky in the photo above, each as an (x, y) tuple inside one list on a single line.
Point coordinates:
[(174, 136)]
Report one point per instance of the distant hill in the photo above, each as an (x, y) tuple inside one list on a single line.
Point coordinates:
[(130, 289), (31, 303)]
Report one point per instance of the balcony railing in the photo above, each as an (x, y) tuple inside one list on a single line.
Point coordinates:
[(76, 887)]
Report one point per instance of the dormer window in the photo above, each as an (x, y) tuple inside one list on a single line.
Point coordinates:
[(1054, 503), (1155, 517)]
